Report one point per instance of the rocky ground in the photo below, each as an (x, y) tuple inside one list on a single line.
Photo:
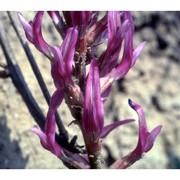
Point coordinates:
[(153, 82)]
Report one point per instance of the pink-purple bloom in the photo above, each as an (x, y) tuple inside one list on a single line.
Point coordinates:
[(78, 18), (118, 32), (85, 90), (145, 141), (34, 33), (63, 59), (93, 114), (47, 136)]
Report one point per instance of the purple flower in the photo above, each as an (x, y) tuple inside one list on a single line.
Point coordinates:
[(118, 32), (47, 137), (129, 55), (63, 59), (145, 141), (96, 31), (34, 34), (80, 18), (93, 114)]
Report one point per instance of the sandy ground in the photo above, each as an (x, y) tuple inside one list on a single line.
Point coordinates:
[(153, 82)]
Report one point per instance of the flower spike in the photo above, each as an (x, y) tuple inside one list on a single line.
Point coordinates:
[(85, 88)]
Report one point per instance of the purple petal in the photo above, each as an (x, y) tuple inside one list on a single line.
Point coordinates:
[(55, 75), (116, 34), (107, 129), (39, 41), (59, 63), (114, 46), (47, 137), (73, 159), (151, 138), (97, 31), (137, 52), (113, 23), (56, 100), (42, 136), (80, 18), (27, 28), (34, 34), (59, 68), (143, 131), (50, 125), (93, 114), (94, 18), (128, 44), (106, 93), (37, 22), (145, 141), (127, 59), (63, 59), (106, 83), (125, 64), (44, 139), (68, 48), (128, 16)]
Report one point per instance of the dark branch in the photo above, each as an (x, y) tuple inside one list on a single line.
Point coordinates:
[(18, 80), (31, 59), (4, 74)]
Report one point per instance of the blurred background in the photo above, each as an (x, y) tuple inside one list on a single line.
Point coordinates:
[(153, 82)]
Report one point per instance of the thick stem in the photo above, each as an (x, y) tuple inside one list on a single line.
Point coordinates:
[(81, 71), (93, 148), (96, 160), (18, 79)]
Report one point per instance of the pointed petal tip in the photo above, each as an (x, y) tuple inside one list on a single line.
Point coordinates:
[(141, 46), (157, 130), (38, 20), (143, 43), (19, 15), (39, 13), (34, 128), (151, 138), (131, 103), (22, 20), (160, 127)]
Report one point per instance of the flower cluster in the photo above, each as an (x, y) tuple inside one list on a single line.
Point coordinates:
[(84, 80)]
